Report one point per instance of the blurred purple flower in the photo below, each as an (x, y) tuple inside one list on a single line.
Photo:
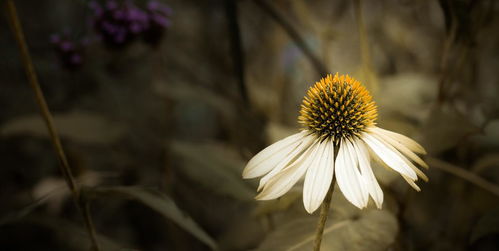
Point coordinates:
[(159, 21), (69, 51), (119, 23), (155, 6), (111, 5), (66, 45), (75, 59), (55, 38)]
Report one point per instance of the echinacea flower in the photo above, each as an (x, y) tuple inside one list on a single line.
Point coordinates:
[(338, 116)]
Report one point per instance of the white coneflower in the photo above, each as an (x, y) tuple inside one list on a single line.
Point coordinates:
[(338, 115)]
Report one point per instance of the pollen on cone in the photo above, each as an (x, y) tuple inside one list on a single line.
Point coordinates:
[(337, 107)]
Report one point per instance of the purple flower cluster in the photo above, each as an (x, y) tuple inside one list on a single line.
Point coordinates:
[(120, 23), (117, 24), (158, 20), (70, 52)]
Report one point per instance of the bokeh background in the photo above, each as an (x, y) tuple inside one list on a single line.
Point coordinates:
[(160, 106)]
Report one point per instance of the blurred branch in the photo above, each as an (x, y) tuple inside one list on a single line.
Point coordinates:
[(464, 174), (364, 45), (87, 216), (293, 33), (448, 42), (236, 46), (365, 52), (45, 112), (463, 21), (443, 70)]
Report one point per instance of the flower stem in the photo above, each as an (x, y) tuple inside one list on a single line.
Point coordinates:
[(323, 217), (47, 117)]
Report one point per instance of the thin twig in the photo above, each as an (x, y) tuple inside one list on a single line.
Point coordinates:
[(293, 33), (464, 174), (323, 218), (444, 64), (445, 68), (364, 43), (40, 100), (365, 53), (455, 41), (236, 46), (47, 117), (85, 206)]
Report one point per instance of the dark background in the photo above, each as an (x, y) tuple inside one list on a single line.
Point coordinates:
[(158, 135)]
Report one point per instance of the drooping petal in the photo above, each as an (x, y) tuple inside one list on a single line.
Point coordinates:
[(288, 160), (269, 157), (348, 176), (399, 146), (367, 173), (412, 183), (388, 156), (318, 178), (408, 142), (284, 180), (419, 173), (357, 172)]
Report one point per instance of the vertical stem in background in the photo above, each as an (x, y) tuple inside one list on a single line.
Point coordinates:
[(367, 67), (295, 36), (85, 206), (364, 44), (40, 100), (323, 217), (45, 112), (451, 32), (236, 46)]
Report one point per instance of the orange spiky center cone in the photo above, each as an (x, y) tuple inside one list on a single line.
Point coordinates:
[(337, 107)]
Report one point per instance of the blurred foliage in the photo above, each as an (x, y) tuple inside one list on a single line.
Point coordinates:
[(348, 229), (162, 204), (158, 135)]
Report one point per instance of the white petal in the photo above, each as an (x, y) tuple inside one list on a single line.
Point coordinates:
[(357, 172), (284, 180), (287, 161), (367, 173), (348, 176), (319, 177), (410, 143), (411, 182), (268, 158), (419, 173), (401, 147), (388, 156)]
